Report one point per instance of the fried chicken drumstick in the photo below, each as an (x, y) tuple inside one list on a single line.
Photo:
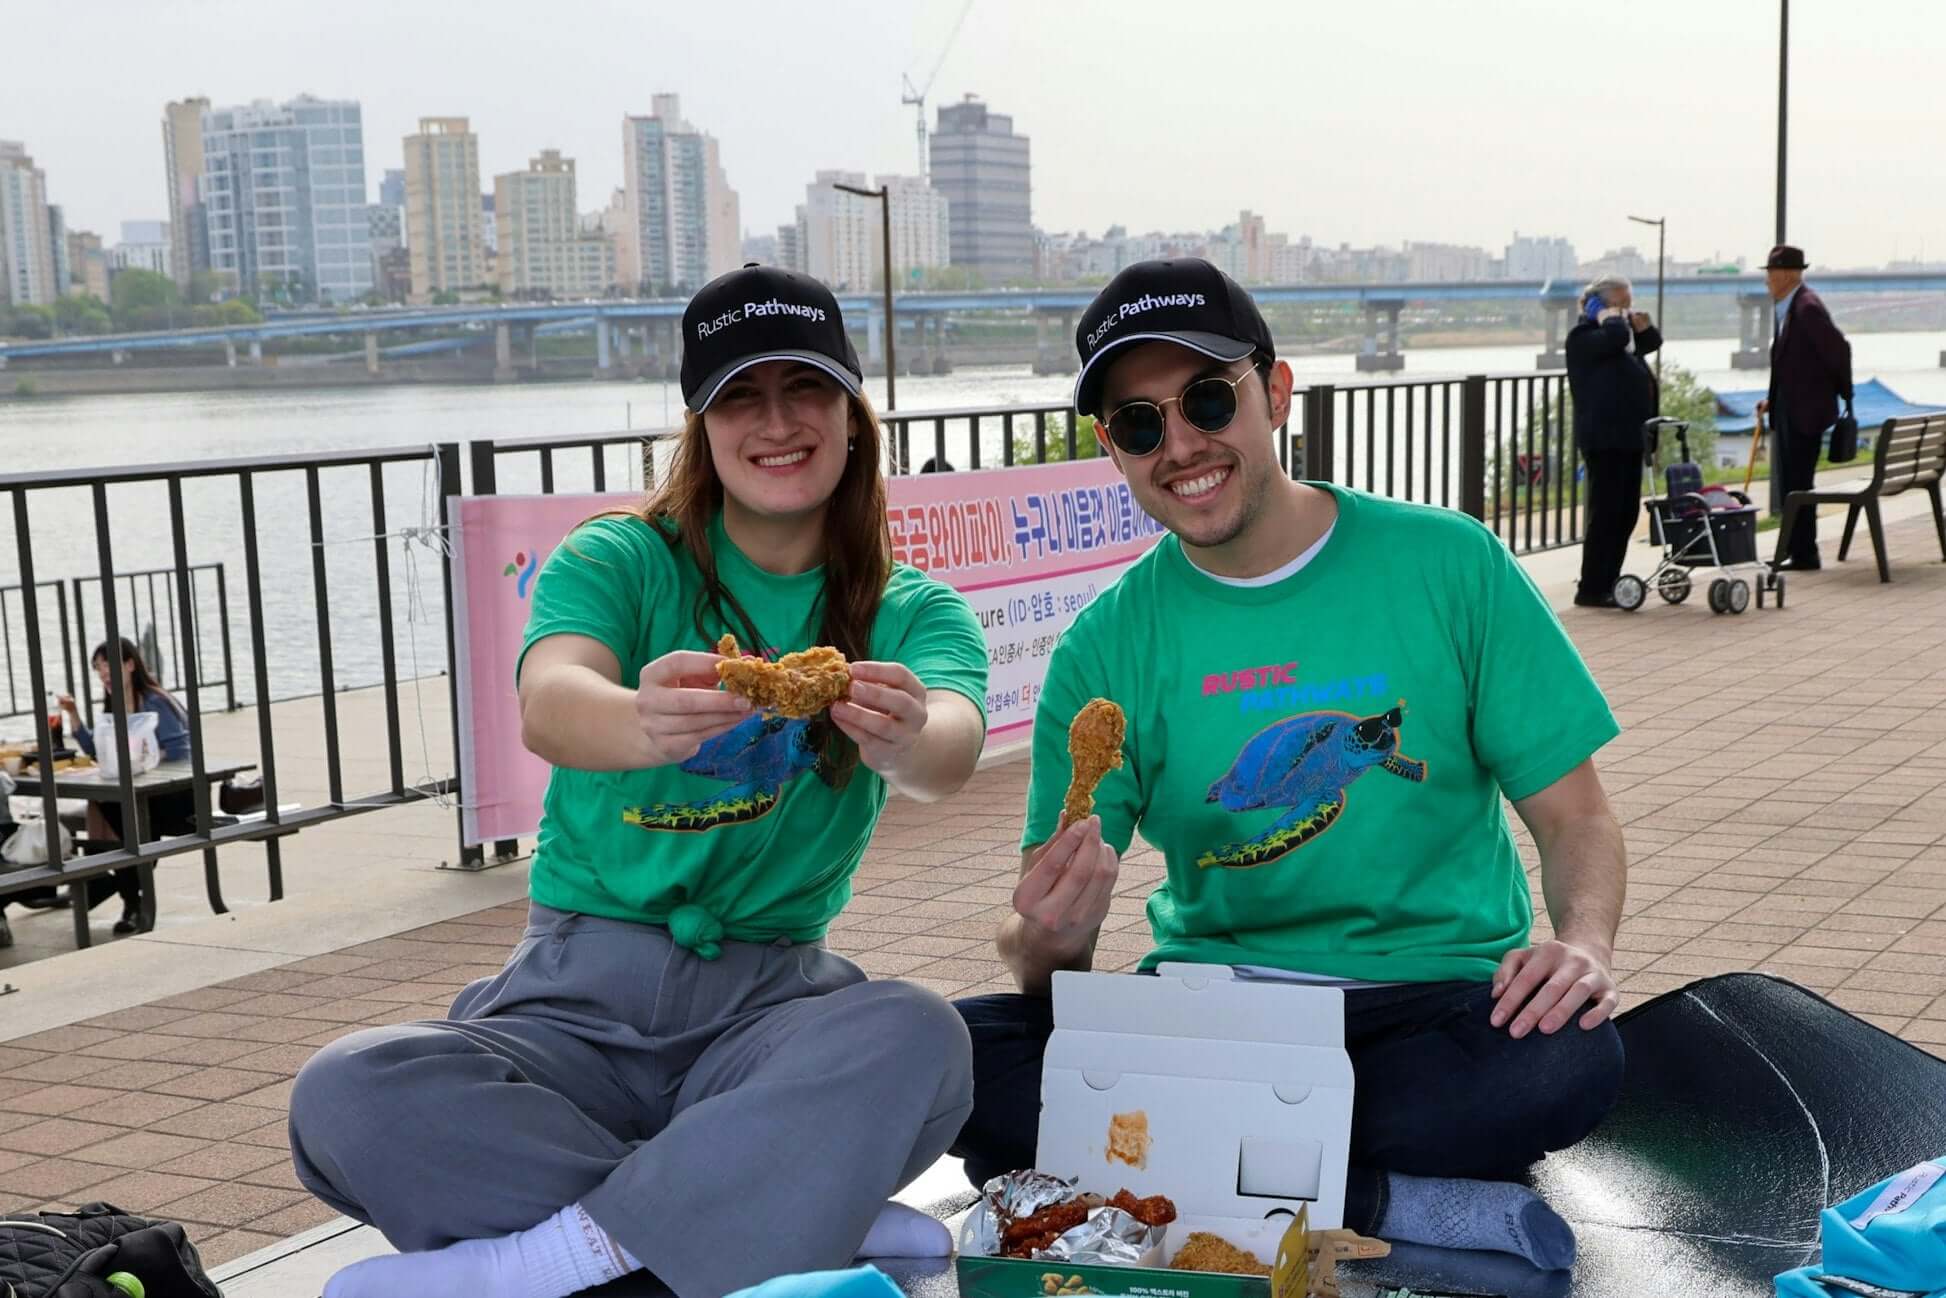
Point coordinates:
[(796, 685), (1095, 744)]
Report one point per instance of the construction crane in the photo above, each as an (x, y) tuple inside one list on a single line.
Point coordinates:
[(917, 97)]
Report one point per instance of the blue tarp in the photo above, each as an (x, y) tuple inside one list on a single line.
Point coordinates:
[(1872, 402)]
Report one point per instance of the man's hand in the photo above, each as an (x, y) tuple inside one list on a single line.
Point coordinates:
[(1063, 899), (1638, 320), (1763, 408), (1547, 985)]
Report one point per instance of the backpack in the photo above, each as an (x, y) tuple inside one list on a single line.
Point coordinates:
[(73, 1254)]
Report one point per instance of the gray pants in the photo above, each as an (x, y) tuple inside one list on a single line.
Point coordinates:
[(725, 1121)]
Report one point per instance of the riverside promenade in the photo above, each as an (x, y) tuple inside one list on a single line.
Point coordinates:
[(1781, 779)]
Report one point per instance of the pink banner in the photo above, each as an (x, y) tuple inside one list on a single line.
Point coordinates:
[(1029, 547)]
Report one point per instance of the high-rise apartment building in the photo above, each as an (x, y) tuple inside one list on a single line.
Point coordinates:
[(145, 245), (88, 262), (182, 160), (841, 242), (26, 234), (1529, 257), (391, 189), (544, 251), (983, 170), (684, 226), (283, 193), (443, 230), (57, 245)]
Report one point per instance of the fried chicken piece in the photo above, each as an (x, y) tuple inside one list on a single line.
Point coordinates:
[(1156, 1210), (1095, 745), (1028, 1235), (796, 685), (1206, 1252)]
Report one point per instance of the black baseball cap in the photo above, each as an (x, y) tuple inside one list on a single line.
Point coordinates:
[(760, 314), (1185, 301)]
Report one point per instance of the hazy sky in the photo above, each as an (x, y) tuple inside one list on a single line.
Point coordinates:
[(1354, 120)]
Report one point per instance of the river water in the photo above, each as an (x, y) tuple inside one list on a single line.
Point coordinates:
[(70, 432)]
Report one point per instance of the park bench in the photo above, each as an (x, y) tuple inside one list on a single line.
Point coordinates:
[(1910, 452)]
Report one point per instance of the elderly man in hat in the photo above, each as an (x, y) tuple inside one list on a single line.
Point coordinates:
[(1810, 368)]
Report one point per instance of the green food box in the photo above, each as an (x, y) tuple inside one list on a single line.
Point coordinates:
[(1006, 1277)]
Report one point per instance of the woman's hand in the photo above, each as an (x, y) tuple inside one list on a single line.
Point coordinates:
[(66, 703), (886, 714), (679, 707)]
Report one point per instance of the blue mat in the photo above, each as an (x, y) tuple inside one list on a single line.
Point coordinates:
[(1872, 402)]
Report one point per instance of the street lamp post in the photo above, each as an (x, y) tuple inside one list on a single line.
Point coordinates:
[(1783, 96), (1661, 224), (884, 195)]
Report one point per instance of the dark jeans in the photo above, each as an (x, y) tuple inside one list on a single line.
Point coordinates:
[(1800, 452), (1440, 1090), (1614, 498)]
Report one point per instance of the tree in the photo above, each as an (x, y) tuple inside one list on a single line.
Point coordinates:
[(82, 313), (136, 291), (31, 322), (1685, 398), (202, 286), (445, 298), (1086, 443)]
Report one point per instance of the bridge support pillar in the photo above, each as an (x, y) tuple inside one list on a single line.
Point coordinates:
[(941, 364), (1556, 309), (371, 353), (604, 349), (875, 342), (256, 351), (1380, 351), (229, 352), (503, 353), (669, 349), (1755, 319)]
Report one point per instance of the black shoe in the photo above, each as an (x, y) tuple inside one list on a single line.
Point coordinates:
[(131, 922), (1595, 601), (6, 933), (52, 899), (1797, 565)]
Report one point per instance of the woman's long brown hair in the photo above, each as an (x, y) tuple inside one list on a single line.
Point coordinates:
[(857, 557)]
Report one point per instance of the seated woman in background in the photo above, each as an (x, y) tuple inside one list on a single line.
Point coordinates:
[(173, 813)]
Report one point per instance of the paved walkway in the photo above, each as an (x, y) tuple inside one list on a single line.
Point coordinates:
[(1782, 779)]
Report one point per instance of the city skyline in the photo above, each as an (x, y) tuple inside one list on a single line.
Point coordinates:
[(1457, 117)]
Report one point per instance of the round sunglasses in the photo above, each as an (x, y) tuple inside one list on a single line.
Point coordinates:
[(1209, 404)]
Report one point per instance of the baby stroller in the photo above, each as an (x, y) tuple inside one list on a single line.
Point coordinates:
[(1700, 527)]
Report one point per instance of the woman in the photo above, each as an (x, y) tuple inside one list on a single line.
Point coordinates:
[(672, 1073), (1614, 396), (173, 813)]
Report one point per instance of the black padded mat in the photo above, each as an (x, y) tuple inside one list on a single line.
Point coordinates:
[(1749, 1104)]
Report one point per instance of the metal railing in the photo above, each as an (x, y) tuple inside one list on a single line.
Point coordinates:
[(291, 488), (1494, 446), (163, 638)]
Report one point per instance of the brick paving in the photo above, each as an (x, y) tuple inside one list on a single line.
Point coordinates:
[(1781, 778)]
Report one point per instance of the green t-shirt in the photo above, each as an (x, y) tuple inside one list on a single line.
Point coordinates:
[(1320, 760), (747, 829)]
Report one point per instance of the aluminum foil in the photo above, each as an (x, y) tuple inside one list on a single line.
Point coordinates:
[(1109, 1237)]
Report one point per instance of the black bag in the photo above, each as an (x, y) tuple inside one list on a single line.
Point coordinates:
[(1844, 437), (72, 1254), (241, 794)]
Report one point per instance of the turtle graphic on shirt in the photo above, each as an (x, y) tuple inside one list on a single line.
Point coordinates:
[(757, 759), (1305, 764)]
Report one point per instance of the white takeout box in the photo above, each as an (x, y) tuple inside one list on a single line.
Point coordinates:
[(1246, 1086)]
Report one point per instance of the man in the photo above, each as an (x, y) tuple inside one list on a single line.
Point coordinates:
[(1614, 396), (1327, 694), (1810, 368)]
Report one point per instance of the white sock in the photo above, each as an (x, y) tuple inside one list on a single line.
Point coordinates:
[(904, 1232), (1452, 1212), (563, 1255)]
